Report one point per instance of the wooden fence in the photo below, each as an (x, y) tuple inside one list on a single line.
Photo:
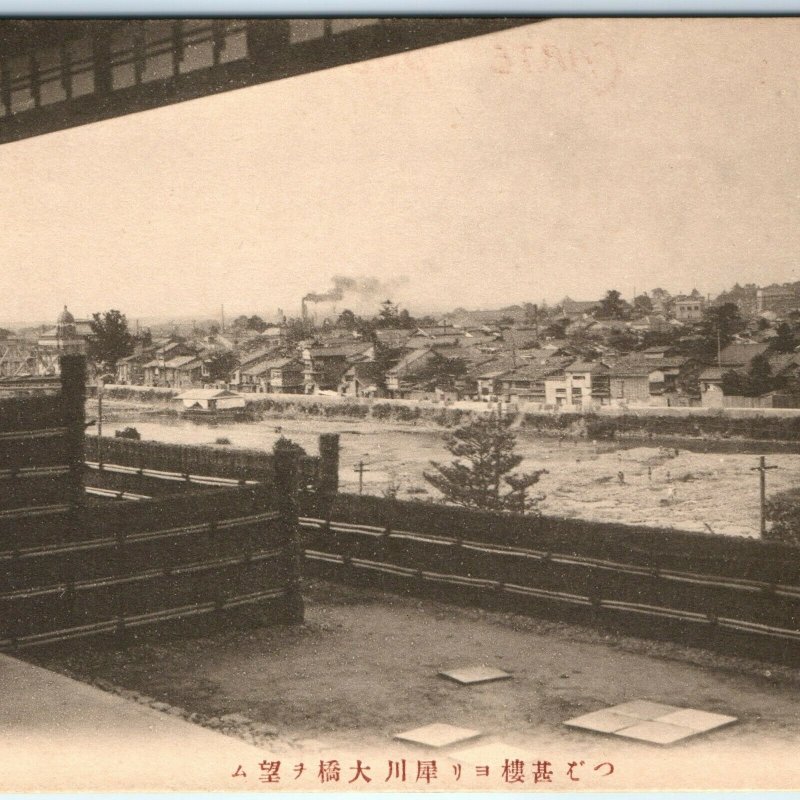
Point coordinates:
[(132, 564), (316, 473), (70, 569), (704, 589), (41, 446)]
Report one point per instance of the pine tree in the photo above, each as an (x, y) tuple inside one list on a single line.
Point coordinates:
[(481, 476)]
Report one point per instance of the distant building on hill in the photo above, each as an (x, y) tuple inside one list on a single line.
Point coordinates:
[(778, 299), (690, 309), (69, 337)]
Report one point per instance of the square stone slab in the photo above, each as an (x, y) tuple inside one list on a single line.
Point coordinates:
[(656, 732), (492, 754), (603, 721), (644, 709), (437, 735), (656, 723), (481, 674), (698, 721)]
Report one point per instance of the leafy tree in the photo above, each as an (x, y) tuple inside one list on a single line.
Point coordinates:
[(388, 316), (756, 381), (5, 333), (111, 340), (642, 304), (481, 477), (735, 384), (296, 330), (760, 375), (391, 316), (556, 329), (255, 323), (717, 329), (220, 365), (663, 298), (405, 320), (347, 319), (612, 306), (441, 370), (624, 341), (724, 319), (784, 342), (659, 338)]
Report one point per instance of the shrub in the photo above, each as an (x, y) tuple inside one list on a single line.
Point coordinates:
[(382, 411), (783, 511), (406, 413), (282, 445), (128, 433), (222, 440)]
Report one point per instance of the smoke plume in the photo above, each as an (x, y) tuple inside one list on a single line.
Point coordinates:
[(364, 288)]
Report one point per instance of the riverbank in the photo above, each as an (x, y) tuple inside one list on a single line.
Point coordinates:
[(705, 429)]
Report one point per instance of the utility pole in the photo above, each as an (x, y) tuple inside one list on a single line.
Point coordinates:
[(360, 468), (762, 480)]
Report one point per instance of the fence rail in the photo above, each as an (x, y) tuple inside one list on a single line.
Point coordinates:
[(748, 588), (124, 571)]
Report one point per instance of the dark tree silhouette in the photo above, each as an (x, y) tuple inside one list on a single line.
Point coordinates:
[(111, 340)]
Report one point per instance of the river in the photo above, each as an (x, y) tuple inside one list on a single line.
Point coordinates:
[(640, 485)]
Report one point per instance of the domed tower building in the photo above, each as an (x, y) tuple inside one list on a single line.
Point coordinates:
[(67, 338)]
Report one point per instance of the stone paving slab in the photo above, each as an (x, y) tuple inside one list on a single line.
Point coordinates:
[(473, 675), (655, 723)]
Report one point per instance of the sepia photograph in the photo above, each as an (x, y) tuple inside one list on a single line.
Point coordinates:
[(400, 404)]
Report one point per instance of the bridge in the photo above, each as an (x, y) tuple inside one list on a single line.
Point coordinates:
[(57, 74)]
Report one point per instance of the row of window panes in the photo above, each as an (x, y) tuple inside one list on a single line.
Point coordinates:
[(62, 73), (306, 30), (144, 52), (141, 52), (149, 47)]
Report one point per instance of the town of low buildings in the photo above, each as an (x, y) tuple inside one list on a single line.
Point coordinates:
[(567, 358)]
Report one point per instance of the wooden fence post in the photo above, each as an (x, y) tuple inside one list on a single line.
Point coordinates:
[(73, 396), (286, 502), (328, 483)]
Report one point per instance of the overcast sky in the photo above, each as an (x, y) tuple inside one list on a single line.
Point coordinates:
[(567, 157)]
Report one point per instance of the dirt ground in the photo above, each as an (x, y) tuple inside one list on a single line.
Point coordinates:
[(364, 667), (657, 487)]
